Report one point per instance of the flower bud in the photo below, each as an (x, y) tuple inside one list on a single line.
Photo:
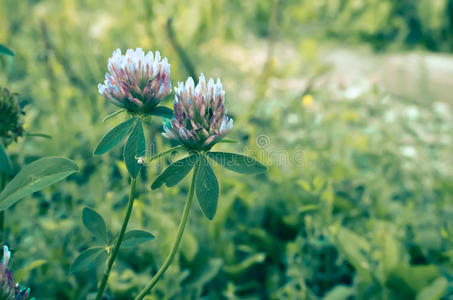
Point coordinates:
[(200, 119)]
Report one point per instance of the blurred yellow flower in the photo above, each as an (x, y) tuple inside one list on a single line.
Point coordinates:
[(307, 100)]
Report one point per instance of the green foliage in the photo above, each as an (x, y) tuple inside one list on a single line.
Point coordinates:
[(87, 257), (11, 114), (434, 291), (5, 163), (35, 177), (113, 114), (136, 237), (228, 141), (113, 137), (135, 148), (206, 188), (374, 167), (95, 223), (356, 250), (238, 163), (176, 172), (382, 23), (340, 292), (162, 111), (5, 50)]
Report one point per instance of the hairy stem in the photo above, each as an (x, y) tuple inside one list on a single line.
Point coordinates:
[(116, 248), (174, 249)]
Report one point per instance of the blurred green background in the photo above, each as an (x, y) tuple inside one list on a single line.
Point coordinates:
[(347, 101)]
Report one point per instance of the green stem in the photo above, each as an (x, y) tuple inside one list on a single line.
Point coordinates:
[(163, 153), (116, 249), (113, 114), (174, 249), (2, 215)]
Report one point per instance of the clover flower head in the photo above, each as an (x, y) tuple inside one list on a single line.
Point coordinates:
[(9, 290), (136, 81), (11, 116), (200, 119)]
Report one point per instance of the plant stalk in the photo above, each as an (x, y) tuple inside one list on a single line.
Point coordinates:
[(2, 214), (116, 248), (174, 249), (177, 148)]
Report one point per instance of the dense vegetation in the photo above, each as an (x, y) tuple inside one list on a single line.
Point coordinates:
[(383, 24), (357, 201)]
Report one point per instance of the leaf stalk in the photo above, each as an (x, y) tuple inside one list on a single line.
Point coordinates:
[(179, 234)]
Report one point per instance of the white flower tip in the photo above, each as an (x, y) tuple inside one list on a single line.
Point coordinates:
[(230, 124), (189, 83), (210, 84), (201, 79), (101, 88), (157, 56), (149, 58), (6, 255), (116, 52), (161, 90), (222, 126), (180, 88)]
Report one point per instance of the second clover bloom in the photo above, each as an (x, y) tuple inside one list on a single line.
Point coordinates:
[(136, 82), (200, 119), (9, 290)]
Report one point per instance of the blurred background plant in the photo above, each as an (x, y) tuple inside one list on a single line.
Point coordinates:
[(11, 115), (347, 101)]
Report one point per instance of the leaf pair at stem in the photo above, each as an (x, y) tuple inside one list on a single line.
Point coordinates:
[(135, 145), (95, 224), (207, 185)]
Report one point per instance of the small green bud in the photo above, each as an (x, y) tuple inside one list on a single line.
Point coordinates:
[(11, 117)]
